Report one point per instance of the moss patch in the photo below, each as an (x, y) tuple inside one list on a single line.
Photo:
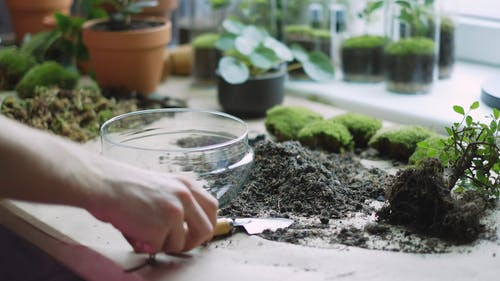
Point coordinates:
[(364, 41), (362, 127), (13, 65), (48, 74), (411, 46), (329, 135), (399, 142), (306, 31), (285, 122)]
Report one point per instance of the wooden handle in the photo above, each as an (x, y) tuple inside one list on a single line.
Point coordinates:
[(223, 227)]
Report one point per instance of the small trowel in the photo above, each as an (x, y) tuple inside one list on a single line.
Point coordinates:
[(251, 225)]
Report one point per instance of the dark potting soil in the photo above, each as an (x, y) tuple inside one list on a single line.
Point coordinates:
[(446, 53), (363, 64), (409, 73), (120, 26), (332, 198)]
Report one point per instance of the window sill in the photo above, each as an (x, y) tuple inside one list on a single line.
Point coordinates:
[(434, 109)]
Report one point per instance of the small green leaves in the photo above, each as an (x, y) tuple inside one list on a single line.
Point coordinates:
[(496, 113), (458, 109), (264, 58), (474, 105), (279, 48), (318, 67), (233, 70)]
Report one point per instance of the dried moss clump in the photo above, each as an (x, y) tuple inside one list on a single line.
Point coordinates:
[(285, 122), (420, 200), (76, 114), (13, 65), (399, 142), (361, 127), (48, 74), (329, 135)]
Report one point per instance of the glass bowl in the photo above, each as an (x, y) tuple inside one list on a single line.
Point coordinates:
[(206, 146)]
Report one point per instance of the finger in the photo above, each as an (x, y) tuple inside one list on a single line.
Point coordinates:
[(207, 202), (176, 238), (200, 229)]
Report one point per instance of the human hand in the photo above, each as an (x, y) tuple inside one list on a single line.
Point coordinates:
[(156, 212)]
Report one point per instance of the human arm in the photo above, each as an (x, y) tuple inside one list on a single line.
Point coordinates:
[(154, 211)]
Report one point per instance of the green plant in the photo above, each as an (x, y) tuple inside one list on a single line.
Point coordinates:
[(418, 15), (306, 31), (285, 122), (412, 45), (122, 11), (364, 41), (251, 51), (370, 8), (13, 65), (328, 134), (471, 152), (47, 74)]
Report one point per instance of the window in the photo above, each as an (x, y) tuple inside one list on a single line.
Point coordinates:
[(478, 31)]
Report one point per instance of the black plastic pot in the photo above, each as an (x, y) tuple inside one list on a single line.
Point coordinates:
[(363, 64), (254, 97), (409, 73)]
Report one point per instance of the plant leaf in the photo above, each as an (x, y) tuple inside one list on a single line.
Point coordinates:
[(318, 66), (225, 42), (233, 70), (264, 58), (458, 109), (299, 53), (496, 113), (245, 45), (474, 105), (233, 26), (281, 50)]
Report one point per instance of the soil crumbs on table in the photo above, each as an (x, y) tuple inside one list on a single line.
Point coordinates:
[(332, 198)]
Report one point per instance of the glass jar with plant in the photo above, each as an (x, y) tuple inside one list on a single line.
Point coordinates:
[(127, 52), (411, 57), (306, 23), (206, 57), (447, 38), (202, 16), (362, 54), (254, 65)]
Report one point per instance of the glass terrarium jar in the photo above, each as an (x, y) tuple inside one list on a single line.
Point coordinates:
[(307, 24), (448, 11), (411, 56), (362, 50), (197, 17)]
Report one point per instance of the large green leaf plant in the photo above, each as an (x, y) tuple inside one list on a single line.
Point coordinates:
[(250, 51)]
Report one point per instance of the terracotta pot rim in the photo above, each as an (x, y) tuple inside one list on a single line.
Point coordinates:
[(38, 5)]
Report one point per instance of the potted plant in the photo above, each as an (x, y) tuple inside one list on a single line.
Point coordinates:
[(206, 57), (125, 51), (28, 15), (253, 68), (411, 59), (362, 55)]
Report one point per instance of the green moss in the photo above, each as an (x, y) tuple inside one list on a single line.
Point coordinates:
[(399, 142), (13, 65), (447, 25), (47, 74), (285, 122), (364, 41), (421, 153), (306, 31), (329, 135), (362, 127), (43, 46), (205, 41), (411, 46)]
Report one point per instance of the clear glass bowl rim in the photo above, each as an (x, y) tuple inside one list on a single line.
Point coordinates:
[(238, 139)]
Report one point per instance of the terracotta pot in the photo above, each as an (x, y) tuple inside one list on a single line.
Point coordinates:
[(163, 9), (28, 15), (254, 97), (131, 59)]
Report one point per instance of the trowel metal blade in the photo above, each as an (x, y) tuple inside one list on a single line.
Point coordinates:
[(258, 225)]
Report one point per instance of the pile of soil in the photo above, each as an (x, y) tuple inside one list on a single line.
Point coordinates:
[(333, 199)]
